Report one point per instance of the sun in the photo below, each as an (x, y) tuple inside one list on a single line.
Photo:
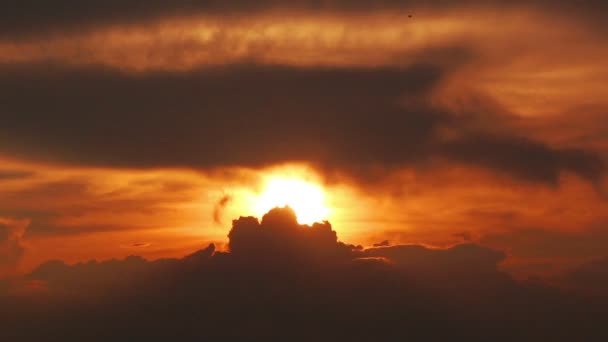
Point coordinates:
[(305, 198)]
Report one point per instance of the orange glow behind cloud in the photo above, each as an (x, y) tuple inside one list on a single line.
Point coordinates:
[(306, 199)]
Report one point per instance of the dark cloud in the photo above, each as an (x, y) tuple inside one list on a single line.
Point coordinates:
[(42, 223), (420, 259), (384, 243), (280, 234), (140, 244), (47, 205), (11, 248), (465, 236), (219, 207), (41, 17), (591, 277), (353, 121), (4, 233), (526, 158), (548, 253), (538, 243), (284, 280), (39, 204), (14, 174), (240, 115)]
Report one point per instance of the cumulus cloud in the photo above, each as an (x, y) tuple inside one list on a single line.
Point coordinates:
[(280, 234), (282, 279)]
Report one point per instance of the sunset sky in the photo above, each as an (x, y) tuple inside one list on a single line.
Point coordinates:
[(124, 125), (146, 127)]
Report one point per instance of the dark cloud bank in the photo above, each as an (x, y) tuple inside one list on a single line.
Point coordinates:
[(284, 281), (353, 121)]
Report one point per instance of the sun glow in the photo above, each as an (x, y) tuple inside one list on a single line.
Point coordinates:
[(305, 198)]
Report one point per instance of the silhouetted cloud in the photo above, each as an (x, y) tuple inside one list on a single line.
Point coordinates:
[(279, 234), (384, 243), (353, 121), (284, 280)]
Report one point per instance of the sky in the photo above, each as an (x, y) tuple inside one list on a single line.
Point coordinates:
[(125, 124), (145, 128)]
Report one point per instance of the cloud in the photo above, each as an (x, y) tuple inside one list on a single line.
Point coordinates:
[(140, 244), (384, 243), (526, 158), (37, 17), (89, 202), (221, 204), (416, 257), (547, 253), (590, 278), (539, 243), (280, 234), (350, 121), (11, 247), (280, 278), (14, 174), (465, 236)]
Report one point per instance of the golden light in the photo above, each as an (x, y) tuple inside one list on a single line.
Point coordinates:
[(305, 198)]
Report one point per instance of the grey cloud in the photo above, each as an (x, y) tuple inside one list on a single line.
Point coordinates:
[(349, 120)]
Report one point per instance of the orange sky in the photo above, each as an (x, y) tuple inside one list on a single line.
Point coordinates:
[(80, 214), (516, 71)]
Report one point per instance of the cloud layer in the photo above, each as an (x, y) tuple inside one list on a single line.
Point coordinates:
[(281, 280), (350, 121), (36, 16)]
